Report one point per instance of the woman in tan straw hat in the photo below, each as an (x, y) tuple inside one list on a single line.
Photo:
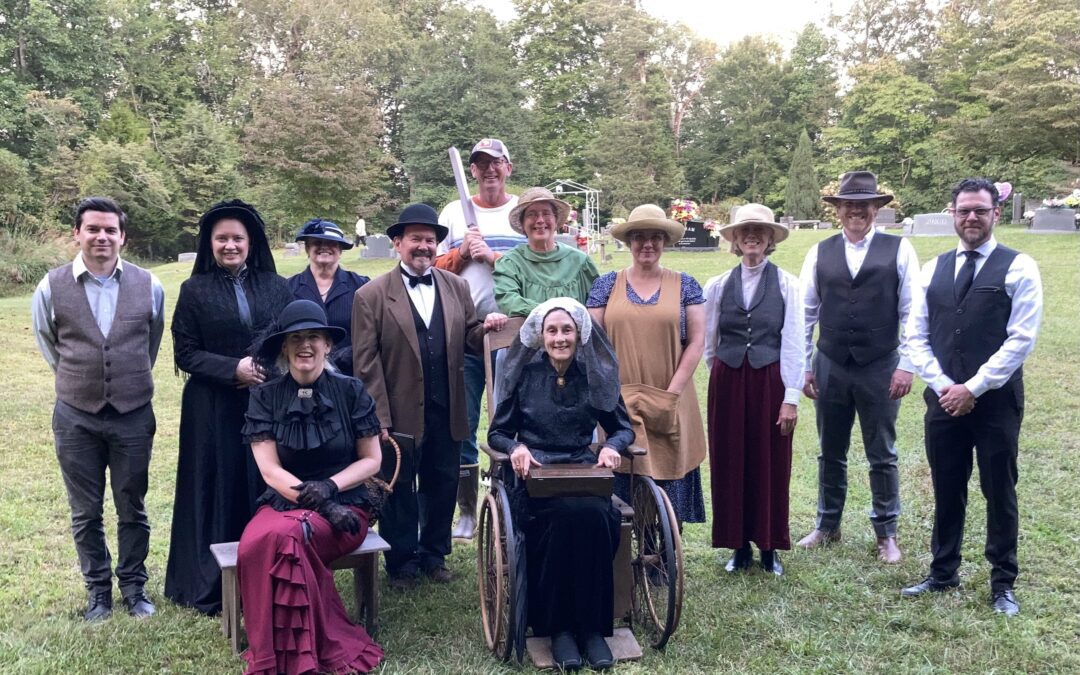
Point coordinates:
[(753, 348), (541, 268), (655, 318)]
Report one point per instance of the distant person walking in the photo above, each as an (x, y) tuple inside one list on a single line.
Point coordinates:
[(98, 322), (361, 232)]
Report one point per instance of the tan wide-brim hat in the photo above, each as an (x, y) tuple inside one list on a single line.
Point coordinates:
[(538, 194), (755, 214), (648, 217)]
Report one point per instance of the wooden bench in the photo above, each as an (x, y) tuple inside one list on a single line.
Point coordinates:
[(364, 562)]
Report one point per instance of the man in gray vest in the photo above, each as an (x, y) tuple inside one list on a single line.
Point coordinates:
[(857, 285), (98, 323), (974, 319)]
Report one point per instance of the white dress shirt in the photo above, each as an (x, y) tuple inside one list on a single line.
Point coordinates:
[(907, 266), (422, 295), (1023, 285), (791, 357), (102, 294)]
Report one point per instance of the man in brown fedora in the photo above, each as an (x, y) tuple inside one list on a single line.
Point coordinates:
[(857, 287)]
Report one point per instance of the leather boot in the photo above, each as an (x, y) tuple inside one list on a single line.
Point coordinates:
[(468, 484)]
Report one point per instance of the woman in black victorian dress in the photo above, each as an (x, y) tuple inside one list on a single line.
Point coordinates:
[(233, 293)]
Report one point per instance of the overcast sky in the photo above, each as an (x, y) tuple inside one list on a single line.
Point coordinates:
[(724, 21)]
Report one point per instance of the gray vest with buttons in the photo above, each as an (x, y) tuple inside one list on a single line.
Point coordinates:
[(93, 371), (751, 330)]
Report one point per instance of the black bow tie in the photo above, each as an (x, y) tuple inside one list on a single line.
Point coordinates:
[(414, 280)]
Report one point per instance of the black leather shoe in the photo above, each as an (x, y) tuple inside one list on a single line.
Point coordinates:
[(741, 560), (440, 575), (928, 585), (564, 651), (139, 606), (597, 653), (1004, 602), (770, 562), (99, 605)]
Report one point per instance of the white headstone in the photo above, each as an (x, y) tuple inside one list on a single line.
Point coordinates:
[(378, 246), (1054, 220), (933, 225), (186, 257)]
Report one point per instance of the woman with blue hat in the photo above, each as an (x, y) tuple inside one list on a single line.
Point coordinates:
[(327, 284)]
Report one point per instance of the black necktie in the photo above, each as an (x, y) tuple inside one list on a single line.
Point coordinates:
[(414, 280), (966, 275)]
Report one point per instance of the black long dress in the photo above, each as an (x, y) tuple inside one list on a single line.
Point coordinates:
[(570, 541), (217, 481)]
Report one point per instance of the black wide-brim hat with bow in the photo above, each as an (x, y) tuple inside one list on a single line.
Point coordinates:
[(418, 214), (317, 228), (298, 315), (858, 186)]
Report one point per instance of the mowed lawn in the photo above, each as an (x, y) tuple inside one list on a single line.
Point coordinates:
[(836, 610)]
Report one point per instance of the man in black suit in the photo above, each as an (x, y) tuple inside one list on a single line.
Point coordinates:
[(974, 318)]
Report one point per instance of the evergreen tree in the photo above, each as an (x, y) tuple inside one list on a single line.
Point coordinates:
[(801, 195)]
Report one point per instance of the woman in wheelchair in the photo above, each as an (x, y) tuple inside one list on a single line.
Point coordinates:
[(559, 381), (314, 434)]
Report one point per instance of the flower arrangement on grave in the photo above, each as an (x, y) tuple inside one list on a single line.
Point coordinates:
[(713, 227), (684, 210), (1054, 203), (1073, 200)]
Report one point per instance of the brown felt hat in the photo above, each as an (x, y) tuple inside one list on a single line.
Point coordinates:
[(858, 186)]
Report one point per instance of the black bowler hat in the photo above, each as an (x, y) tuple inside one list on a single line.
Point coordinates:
[(317, 228), (418, 214), (858, 186), (298, 315)]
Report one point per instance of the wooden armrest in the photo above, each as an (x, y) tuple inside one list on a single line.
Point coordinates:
[(494, 455), (635, 450)]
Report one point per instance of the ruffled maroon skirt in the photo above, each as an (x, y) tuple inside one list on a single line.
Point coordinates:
[(750, 462), (295, 620)]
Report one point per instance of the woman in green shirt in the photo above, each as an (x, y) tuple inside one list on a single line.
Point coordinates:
[(541, 268)]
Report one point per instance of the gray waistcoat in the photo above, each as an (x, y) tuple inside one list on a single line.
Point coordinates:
[(93, 370), (751, 330)]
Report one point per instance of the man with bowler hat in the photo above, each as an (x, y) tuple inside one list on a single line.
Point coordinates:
[(857, 287), (974, 319), (98, 322), (470, 250), (411, 328)]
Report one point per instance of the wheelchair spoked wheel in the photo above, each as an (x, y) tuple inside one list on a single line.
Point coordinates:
[(496, 560), (657, 564)]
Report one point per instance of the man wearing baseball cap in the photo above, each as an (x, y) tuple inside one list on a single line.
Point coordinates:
[(471, 252)]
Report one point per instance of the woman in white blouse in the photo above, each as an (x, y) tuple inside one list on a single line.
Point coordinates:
[(753, 349)]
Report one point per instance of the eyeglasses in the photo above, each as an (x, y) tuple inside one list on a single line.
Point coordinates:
[(642, 237), (484, 164), (964, 213)]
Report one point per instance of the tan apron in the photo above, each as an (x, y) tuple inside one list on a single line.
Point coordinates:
[(646, 340)]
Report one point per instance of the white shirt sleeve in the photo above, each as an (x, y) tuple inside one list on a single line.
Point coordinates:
[(157, 317), (714, 287), (792, 361), (44, 322), (907, 269), (811, 303), (917, 334), (1023, 285)]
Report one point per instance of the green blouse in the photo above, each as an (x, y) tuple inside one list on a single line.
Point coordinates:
[(525, 278)]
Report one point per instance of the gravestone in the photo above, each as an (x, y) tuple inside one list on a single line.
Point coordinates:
[(824, 225), (186, 257), (1017, 207), (292, 250), (886, 217), (378, 246), (787, 220), (933, 225), (1032, 205), (1054, 220), (697, 237)]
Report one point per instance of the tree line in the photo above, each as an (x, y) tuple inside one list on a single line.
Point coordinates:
[(334, 109)]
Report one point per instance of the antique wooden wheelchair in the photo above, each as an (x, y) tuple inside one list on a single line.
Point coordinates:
[(648, 565)]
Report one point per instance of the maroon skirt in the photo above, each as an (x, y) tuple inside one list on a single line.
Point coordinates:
[(295, 620), (750, 461)]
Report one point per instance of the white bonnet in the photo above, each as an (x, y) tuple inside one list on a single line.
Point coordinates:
[(532, 331)]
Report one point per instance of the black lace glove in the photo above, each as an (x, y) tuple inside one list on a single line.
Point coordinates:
[(315, 493), (341, 518)]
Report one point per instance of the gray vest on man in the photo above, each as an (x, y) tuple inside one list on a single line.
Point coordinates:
[(751, 330), (93, 371), (859, 319)]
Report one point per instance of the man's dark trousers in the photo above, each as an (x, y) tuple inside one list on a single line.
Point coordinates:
[(992, 428), (87, 444)]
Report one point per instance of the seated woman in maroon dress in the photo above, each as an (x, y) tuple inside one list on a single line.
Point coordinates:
[(754, 351), (314, 435), (559, 381)]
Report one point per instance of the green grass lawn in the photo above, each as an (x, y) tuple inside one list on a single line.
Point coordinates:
[(835, 610)]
